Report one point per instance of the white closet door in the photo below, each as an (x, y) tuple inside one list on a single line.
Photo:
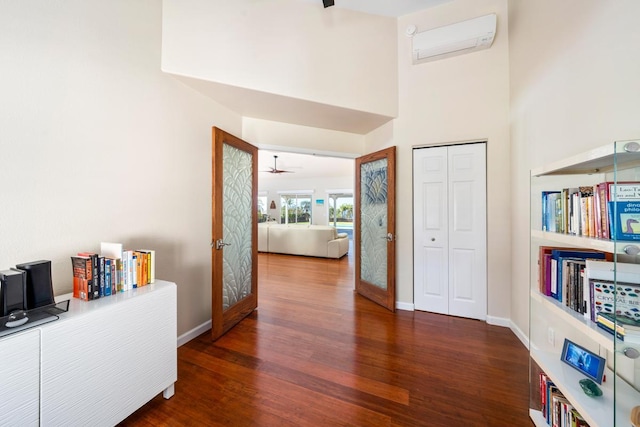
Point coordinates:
[(467, 231), (430, 253), (450, 230)]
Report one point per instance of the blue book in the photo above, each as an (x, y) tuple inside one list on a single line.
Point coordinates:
[(549, 210), (107, 277), (624, 220), (556, 263)]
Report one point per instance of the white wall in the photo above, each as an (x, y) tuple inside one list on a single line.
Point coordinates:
[(97, 144), (457, 99), (285, 47), (574, 86), (302, 139)]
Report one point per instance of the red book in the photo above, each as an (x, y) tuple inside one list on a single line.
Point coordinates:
[(82, 275)]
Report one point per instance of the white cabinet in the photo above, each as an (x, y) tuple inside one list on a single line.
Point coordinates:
[(552, 320), (104, 359), (20, 379), (96, 364)]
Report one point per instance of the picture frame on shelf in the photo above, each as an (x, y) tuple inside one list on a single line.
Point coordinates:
[(583, 360)]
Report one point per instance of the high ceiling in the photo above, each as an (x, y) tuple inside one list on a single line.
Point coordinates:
[(393, 8), (268, 106)]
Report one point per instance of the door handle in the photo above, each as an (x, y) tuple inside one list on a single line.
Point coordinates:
[(219, 244), (388, 237)]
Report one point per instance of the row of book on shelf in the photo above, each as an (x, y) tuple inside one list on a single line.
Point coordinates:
[(606, 210), (555, 408), (583, 280), (111, 271)]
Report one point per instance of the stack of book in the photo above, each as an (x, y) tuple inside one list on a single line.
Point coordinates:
[(606, 210), (112, 270), (555, 408), (562, 275), (626, 328)]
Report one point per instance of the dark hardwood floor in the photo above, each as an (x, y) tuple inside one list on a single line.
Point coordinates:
[(316, 354)]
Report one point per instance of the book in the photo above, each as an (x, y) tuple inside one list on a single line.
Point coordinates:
[(616, 299), (549, 210), (572, 283), (610, 191), (596, 214), (601, 194), (624, 191), (101, 275), (82, 268), (111, 250), (107, 276), (623, 322), (119, 275), (619, 335), (600, 275), (557, 256), (133, 269), (94, 285), (151, 264), (543, 390), (577, 420), (586, 210), (544, 268), (624, 219)]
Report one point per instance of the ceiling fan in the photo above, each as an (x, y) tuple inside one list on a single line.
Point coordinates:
[(275, 169)]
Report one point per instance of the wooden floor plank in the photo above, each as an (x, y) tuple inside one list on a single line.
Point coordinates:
[(314, 353)]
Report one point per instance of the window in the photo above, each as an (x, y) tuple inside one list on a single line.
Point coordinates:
[(295, 208), (262, 208), (341, 210)]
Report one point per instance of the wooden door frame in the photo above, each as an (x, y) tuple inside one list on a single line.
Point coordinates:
[(386, 298), (220, 323)]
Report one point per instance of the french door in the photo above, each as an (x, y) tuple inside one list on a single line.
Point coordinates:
[(234, 222), (375, 227)]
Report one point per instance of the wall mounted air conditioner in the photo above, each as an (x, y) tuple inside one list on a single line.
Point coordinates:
[(455, 39)]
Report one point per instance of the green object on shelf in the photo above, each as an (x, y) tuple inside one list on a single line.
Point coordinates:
[(590, 388)]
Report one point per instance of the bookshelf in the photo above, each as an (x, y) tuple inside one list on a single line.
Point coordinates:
[(551, 320)]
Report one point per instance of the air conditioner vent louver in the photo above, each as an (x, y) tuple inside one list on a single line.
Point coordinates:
[(455, 39)]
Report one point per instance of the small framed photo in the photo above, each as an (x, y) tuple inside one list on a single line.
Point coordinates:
[(581, 359)]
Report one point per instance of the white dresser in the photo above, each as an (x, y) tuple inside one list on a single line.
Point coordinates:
[(94, 366)]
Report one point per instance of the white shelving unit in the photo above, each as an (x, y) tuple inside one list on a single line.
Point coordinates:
[(96, 364), (551, 321)]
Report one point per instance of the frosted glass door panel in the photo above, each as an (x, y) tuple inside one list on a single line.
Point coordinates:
[(373, 217), (236, 226)]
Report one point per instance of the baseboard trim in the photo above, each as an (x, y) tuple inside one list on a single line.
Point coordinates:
[(524, 339), (498, 321), (406, 306), (189, 335)]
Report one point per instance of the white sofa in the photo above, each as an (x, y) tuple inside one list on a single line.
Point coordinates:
[(309, 240)]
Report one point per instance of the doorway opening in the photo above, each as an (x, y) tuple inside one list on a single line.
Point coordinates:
[(341, 214)]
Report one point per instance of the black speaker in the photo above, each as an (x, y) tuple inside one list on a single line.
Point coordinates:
[(327, 3), (13, 291), (39, 284)]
